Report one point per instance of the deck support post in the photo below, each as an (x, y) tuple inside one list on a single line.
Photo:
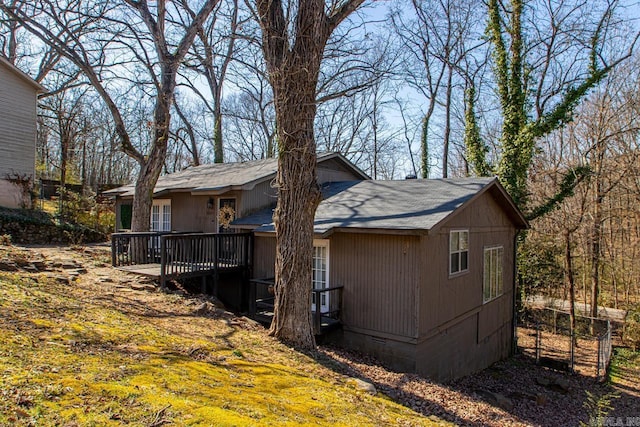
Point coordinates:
[(163, 263), (215, 284)]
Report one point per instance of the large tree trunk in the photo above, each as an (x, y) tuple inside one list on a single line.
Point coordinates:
[(293, 74), (151, 166), (298, 198)]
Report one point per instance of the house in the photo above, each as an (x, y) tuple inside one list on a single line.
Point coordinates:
[(426, 269), (206, 198), (18, 101), (421, 272)]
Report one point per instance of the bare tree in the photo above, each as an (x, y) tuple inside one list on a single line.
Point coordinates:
[(437, 36), (209, 58), (95, 35)]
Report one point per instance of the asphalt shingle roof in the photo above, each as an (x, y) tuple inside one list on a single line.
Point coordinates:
[(394, 205), (220, 177), (210, 177)]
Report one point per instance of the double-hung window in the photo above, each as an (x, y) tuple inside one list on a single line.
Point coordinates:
[(492, 286), (458, 251)]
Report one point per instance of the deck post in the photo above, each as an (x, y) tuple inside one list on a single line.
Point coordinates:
[(113, 250), (317, 315), (252, 299), (163, 262)]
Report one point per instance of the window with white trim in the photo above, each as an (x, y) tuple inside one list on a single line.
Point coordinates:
[(492, 284), (458, 251), (320, 273), (161, 215)]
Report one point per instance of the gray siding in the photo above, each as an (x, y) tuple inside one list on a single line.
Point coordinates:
[(264, 257), (458, 333), (17, 124), (335, 171), (260, 197), (380, 277)]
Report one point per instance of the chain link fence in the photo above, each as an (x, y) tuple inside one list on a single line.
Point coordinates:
[(545, 334)]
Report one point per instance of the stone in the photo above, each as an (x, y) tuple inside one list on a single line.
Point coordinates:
[(543, 381), (541, 399), (561, 384), (363, 385), (142, 287), (496, 399), (30, 268), (40, 265), (6, 265), (61, 279), (69, 266), (105, 279)]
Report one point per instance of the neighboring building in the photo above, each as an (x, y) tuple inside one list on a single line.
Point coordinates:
[(426, 266), (201, 198), (18, 101)]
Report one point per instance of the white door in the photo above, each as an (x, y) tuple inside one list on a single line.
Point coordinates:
[(320, 274), (161, 215)]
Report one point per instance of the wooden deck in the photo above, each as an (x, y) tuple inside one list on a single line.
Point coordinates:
[(163, 256)]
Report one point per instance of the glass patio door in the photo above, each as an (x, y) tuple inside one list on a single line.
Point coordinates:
[(320, 274)]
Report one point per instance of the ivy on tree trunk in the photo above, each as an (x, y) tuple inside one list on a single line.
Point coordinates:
[(293, 52)]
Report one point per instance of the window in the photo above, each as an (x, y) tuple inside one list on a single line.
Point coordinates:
[(458, 251), (492, 286), (320, 273), (161, 215)]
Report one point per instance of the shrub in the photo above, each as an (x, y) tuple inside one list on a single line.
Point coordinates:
[(631, 336)]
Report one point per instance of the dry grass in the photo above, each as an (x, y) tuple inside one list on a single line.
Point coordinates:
[(96, 352)]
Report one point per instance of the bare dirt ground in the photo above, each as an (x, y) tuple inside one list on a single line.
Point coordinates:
[(557, 346), (515, 392)]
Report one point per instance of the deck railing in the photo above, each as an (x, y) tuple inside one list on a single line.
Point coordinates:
[(182, 254), (132, 248), (265, 300)]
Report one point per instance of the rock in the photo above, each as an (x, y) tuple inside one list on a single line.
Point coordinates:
[(6, 265), (22, 262), (496, 399), (556, 384), (246, 320), (40, 265), (561, 385), (541, 399), (81, 270), (543, 381), (30, 268), (363, 385), (61, 279), (69, 266), (105, 279), (142, 287)]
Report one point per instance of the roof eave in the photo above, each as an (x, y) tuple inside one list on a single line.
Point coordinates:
[(346, 162), (39, 88), (513, 213)]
